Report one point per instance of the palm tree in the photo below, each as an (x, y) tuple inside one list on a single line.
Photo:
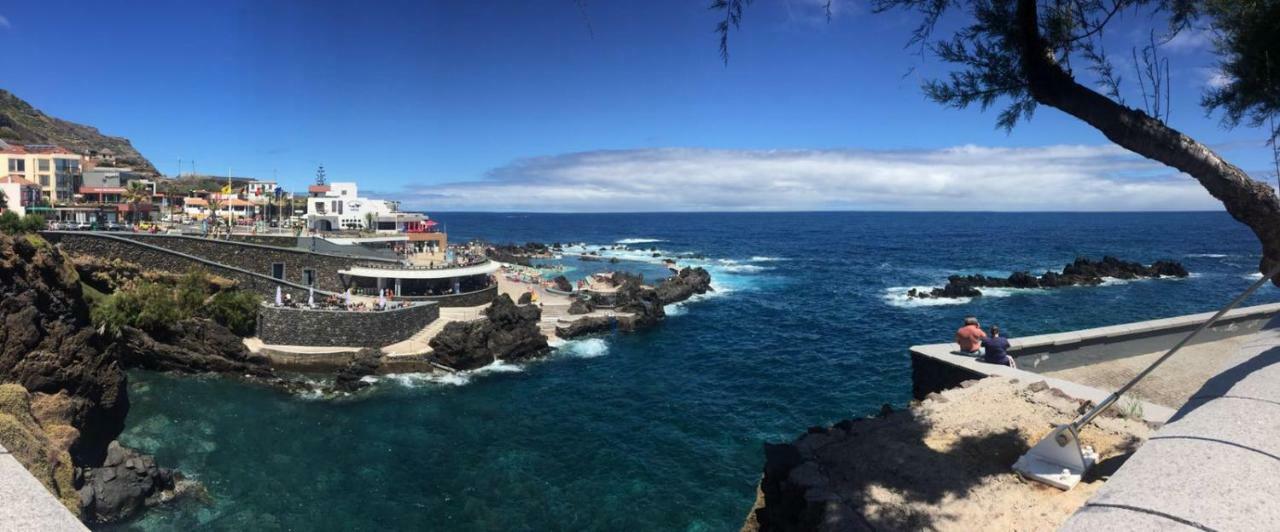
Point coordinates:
[(135, 194)]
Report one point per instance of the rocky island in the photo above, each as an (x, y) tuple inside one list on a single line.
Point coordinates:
[(1081, 272)]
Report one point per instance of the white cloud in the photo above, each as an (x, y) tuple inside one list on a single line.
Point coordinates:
[(1189, 40), (1214, 77), (4, 22), (1075, 178)]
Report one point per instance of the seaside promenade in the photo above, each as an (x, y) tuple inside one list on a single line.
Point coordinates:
[(1196, 450)]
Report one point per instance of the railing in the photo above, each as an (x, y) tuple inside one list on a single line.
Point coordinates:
[(420, 267)]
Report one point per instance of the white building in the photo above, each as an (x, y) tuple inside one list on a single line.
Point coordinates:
[(338, 206)]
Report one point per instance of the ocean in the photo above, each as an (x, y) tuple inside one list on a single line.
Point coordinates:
[(662, 429)]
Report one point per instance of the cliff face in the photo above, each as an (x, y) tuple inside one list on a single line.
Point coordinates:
[(48, 346), (20, 123)]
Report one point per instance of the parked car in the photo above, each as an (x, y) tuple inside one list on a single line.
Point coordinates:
[(113, 226), (83, 226)]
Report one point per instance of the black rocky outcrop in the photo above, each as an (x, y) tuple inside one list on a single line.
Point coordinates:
[(1081, 272), (193, 345), (48, 344), (126, 483), (507, 332), (351, 378)]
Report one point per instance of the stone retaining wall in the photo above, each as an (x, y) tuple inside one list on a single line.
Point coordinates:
[(299, 326), (256, 258), (160, 258)]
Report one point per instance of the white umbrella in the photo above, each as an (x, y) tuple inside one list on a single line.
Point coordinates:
[(279, 298), (311, 296), (382, 300), (346, 297)]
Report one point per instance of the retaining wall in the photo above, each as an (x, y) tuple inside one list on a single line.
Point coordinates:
[(301, 326), (161, 258)]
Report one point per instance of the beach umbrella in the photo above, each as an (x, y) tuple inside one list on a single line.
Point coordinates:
[(346, 297), (311, 296), (279, 298), (382, 300)]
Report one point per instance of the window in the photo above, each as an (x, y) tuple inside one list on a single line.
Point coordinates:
[(319, 207), (42, 165), (17, 165), (277, 270), (44, 180), (309, 277)]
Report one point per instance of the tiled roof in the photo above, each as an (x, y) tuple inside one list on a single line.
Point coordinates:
[(13, 179)]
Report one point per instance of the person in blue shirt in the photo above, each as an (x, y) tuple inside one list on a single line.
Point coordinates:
[(996, 349)]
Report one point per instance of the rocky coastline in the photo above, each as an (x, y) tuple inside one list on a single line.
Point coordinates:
[(1081, 272), (638, 305)]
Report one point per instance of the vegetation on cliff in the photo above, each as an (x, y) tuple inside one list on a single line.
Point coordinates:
[(156, 305), (20, 123)]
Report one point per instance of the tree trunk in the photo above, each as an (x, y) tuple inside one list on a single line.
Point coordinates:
[(1249, 202)]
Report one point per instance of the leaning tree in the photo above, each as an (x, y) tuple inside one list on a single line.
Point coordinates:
[(1027, 53)]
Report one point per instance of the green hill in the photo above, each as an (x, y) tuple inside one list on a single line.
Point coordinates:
[(20, 123)]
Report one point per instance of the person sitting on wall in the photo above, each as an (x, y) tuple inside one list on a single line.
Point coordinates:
[(969, 337), (996, 349)]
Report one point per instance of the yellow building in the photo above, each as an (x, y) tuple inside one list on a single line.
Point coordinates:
[(55, 169)]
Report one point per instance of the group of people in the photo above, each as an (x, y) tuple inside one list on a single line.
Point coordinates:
[(991, 348)]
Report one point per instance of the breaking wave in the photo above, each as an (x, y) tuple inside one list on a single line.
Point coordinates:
[(638, 241), (585, 348)]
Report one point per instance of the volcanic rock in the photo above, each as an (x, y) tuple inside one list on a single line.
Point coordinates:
[(507, 332), (125, 484), (194, 345), (48, 346), (1080, 272), (351, 378)]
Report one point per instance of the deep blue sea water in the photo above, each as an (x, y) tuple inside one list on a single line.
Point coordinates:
[(659, 430)]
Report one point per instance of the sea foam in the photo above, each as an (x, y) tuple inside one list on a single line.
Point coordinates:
[(639, 240), (585, 348)]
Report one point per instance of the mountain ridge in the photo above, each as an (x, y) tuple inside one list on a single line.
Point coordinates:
[(22, 123)]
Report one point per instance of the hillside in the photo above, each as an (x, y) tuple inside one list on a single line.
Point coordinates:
[(20, 123)]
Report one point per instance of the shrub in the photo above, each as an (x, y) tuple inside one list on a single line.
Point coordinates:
[(32, 223), (236, 310), (193, 288), (10, 223), (149, 306)]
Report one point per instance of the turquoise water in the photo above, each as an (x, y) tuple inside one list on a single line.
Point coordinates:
[(659, 430)]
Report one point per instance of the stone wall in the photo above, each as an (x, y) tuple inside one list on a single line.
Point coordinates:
[(469, 299), (244, 256), (155, 257), (299, 326), (930, 375)]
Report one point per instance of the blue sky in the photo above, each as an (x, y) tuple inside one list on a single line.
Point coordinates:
[(562, 105)]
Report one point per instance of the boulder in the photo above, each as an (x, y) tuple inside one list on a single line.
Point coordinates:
[(126, 483), (580, 306), (682, 286), (351, 378), (562, 284), (526, 298), (507, 332)]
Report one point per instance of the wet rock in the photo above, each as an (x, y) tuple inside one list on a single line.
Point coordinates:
[(1082, 271), (507, 332), (351, 378), (682, 286), (126, 483)]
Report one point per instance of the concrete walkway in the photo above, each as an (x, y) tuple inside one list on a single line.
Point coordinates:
[(25, 504), (1215, 465)]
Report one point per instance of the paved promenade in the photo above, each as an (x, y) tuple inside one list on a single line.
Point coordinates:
[(1215, 465)]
